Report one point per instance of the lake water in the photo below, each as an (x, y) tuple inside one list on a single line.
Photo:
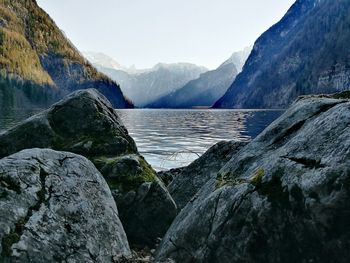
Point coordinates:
[(174, 138)]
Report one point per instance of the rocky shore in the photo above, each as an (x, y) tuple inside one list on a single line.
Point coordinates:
[(73, 184)]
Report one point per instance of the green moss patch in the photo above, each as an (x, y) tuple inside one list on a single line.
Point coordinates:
[(124, 173), (257, 177), (7, 243), (342, 95), (229, 179)]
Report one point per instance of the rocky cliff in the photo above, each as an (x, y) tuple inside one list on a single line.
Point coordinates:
[(38, 64), (305, 53), (284, 197)]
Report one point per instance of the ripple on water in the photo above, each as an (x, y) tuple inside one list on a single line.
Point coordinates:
[(174, 138)]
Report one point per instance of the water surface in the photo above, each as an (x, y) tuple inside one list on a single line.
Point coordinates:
[(174, 138), (9, 117)]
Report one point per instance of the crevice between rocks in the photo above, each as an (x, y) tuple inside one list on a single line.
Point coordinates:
[(15, 235), (181, 248), (297, 126), (308, 163)]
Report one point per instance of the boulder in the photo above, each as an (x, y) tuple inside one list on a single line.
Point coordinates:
[(146, 213), (85, 123), (285, 197), (189, 180), (56, 207)]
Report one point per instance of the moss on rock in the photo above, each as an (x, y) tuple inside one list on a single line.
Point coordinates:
[(257, 177), (125, 172), (342, 95), (7, 243)]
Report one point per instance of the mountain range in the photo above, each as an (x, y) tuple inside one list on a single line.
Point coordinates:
[(38, 64), (208, 88), (306, 52), (143, 86)]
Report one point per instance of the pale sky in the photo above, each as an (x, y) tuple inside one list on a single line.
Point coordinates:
[(145, 32)]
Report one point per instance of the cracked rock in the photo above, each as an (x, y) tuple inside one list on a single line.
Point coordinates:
[(285, 197), (85, 123), (56, 207)]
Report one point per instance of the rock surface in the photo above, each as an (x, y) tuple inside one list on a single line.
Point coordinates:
[(189, 180), (85, 123), (147, 213), (285, 197), (56, 207)]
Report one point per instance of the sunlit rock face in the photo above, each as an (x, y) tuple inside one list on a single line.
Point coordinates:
[(85, 123), (39, 65), (56, 206), (282, 198), (305, 53)]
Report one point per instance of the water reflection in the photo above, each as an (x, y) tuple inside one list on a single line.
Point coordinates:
[(174, 138), (9, 117)]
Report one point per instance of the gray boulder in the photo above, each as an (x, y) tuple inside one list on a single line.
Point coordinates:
[(285, 197), (141, 212), (85, 123), (189, 180), (56, 207)]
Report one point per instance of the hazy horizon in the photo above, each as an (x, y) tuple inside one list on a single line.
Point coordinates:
[(146, 33)]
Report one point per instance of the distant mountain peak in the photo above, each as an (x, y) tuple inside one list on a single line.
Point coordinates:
[(238, 58), (102, 59)]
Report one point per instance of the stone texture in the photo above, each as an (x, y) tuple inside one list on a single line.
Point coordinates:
[(146, 214), (283, 198), (56, 207), (85, 123), (189, 180)]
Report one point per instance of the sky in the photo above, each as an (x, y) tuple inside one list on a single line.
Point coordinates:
[(145, 32)]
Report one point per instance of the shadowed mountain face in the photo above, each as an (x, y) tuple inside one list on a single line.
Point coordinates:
[(208, 88), (38, 64), (147, 85), (305, 53)]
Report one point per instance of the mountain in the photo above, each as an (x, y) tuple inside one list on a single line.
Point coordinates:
[(102, 60), (208, 88), (145, 86), (38, 64), (239, 58), (306, 52)]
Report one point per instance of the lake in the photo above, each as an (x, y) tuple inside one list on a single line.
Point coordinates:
[(174, 138)]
